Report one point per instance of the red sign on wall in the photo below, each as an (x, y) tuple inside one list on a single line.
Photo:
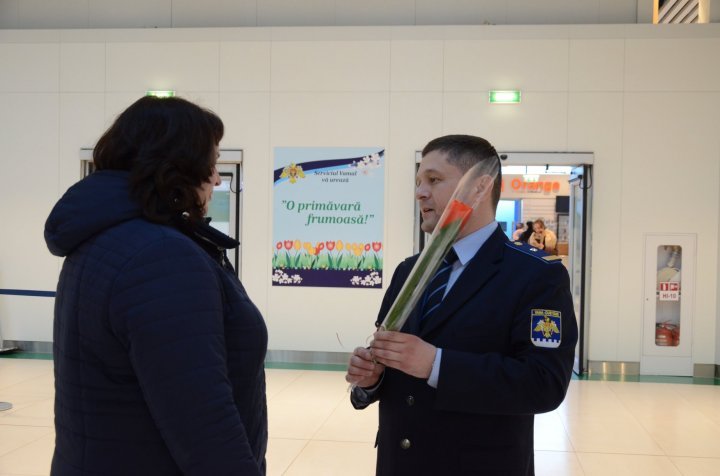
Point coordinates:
[(669, 291)]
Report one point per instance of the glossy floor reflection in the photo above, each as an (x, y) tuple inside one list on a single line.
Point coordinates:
[(603, 427)]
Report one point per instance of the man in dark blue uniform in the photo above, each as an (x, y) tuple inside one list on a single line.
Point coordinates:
[(459, 386)]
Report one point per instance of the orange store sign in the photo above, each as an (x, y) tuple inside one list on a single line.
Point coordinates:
[(518, 184)]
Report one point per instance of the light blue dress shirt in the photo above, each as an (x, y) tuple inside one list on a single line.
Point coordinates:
[(465, 248)]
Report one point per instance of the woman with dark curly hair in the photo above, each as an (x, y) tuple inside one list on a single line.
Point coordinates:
[(159, 353)]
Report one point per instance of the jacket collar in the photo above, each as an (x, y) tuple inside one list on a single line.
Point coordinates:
[(209, 237)]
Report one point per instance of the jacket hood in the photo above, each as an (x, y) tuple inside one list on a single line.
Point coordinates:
[(94, 204)]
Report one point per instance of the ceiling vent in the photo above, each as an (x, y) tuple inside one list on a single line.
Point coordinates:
[(679, 11)]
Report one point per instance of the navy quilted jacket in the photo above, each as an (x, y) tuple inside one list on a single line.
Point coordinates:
[(158, 350)]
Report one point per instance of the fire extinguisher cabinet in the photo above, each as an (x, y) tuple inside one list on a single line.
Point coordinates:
[(668, 305)]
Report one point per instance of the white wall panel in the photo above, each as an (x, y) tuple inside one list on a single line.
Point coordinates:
[(530, 65), (214, 13), (375, 12), (82, 122), (206, 99), (130, 13), (179, 66), (672, 65), (115, 103), (245, 66), (415, 119), (510, 127), (331, 66), (29, 67), (460, 12), (595, 124), (247, 123), (416, 66), (82, 67), (37, 317), (29, 151), (294, 13), (332, 119), (596, 65)]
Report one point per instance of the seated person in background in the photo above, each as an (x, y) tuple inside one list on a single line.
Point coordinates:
[(525, 235), (542, 238), (519, 229)]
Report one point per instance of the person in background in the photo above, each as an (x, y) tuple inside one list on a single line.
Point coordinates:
[(525, 235), (543, 238), (486, 348), (519, 229), (159, 352)]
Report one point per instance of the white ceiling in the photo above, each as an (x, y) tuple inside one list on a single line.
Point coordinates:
[(60, 14)]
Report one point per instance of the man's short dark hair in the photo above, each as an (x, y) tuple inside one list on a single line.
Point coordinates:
[(168, 146), (464, 151)]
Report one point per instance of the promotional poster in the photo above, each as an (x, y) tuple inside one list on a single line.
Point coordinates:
[(328, 216)]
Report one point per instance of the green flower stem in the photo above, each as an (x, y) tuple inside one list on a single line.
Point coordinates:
[(422, 272)]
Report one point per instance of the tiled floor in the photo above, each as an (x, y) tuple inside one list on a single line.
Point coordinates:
[(603, 428)]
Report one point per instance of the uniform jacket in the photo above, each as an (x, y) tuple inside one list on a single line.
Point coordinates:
[(158, 350), (493, 377)]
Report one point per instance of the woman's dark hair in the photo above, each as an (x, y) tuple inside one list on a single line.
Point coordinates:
[(168, 146)]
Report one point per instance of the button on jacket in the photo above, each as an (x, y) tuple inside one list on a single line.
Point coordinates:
[(493, 376), (158, 350)]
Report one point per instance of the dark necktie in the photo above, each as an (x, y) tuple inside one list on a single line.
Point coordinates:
[(436, 287)]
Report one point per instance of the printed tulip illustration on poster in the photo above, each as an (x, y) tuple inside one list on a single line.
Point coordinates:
[(328, 216)]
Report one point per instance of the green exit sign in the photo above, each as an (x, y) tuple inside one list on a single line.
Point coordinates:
[(160, 94), (505, 97)]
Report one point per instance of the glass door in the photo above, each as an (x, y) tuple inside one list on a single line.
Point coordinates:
[(225, 207), (578, 257)]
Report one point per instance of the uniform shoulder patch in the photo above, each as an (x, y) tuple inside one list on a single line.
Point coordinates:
[(536, 253), (546, 328)]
